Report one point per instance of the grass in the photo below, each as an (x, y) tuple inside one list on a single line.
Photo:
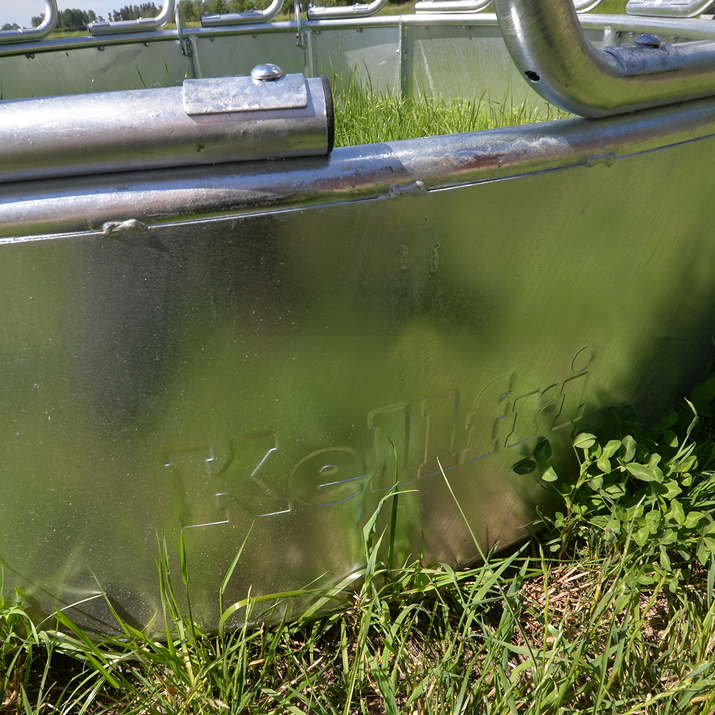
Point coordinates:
[(366, 116)]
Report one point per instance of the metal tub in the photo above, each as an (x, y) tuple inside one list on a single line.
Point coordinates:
[(258, 351)]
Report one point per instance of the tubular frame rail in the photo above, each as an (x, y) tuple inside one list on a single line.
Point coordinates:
[(357, 10), (36, 33), (669, 8), (143, 24), (240, 18), (548, 45)]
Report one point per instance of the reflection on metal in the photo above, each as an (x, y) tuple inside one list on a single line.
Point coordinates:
[(240, 18), (299, 35), (143, 24), (180, 20), (317, 12), (452, 5), (24, 34), (668, 8), (586, 5), (549, 46), (204, 351), (267, 72), (200, 348), (208, 121)]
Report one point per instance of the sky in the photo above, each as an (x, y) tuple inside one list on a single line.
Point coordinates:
[(22, 11)]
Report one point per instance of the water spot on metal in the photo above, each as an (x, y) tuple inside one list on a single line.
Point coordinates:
[(434, 257), (112, 228), (608, 159)]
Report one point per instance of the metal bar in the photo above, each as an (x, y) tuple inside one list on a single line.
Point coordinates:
[(240, 18), (548, 45), (208, 121), (586, 5), (452, 5), (666, 8), (36, 33), (356, 10), (685, 29), (143, 24), (348, 174)]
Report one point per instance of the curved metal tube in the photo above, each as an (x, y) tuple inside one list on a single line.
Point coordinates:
[(143, 24), (34, 33), (586, 5), (240, 18), (481, 5), (320, 12), (452, 5), (548, 45)]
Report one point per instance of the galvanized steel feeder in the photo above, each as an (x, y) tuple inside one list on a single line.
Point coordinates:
[(213, 326)]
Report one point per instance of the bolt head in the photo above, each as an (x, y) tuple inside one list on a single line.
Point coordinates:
[(648, 41), (267, 72)]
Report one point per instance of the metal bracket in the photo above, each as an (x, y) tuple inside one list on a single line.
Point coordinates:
[(218, 95)]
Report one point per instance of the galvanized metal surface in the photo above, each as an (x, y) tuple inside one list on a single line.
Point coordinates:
[(209, 121), (452, 5), (433, 53), (423, 54), (548, 45), (316, 12), (668, 8), (204, 351), (239, 18), (246, 94), (27, 34), (242, 345), (142, 24)]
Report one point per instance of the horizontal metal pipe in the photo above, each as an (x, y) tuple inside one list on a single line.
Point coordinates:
[(349, 174), (357, 10), (144, 129), (242, 18), (548, 45), (586, 5), (658, 8), (452, 5)]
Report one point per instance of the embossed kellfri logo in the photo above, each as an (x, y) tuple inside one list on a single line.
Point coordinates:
[(450, 428)]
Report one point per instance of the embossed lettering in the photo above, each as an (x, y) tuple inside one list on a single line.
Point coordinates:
[(440, 415), (528, 415), (328, 476), (487, 423), (570, 402), (391, 430), (235, 482)]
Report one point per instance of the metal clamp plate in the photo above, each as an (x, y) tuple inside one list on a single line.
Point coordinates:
[(244, 94)]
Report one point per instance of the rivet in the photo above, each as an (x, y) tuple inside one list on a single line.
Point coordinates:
[(267, 72), (648, 41)]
